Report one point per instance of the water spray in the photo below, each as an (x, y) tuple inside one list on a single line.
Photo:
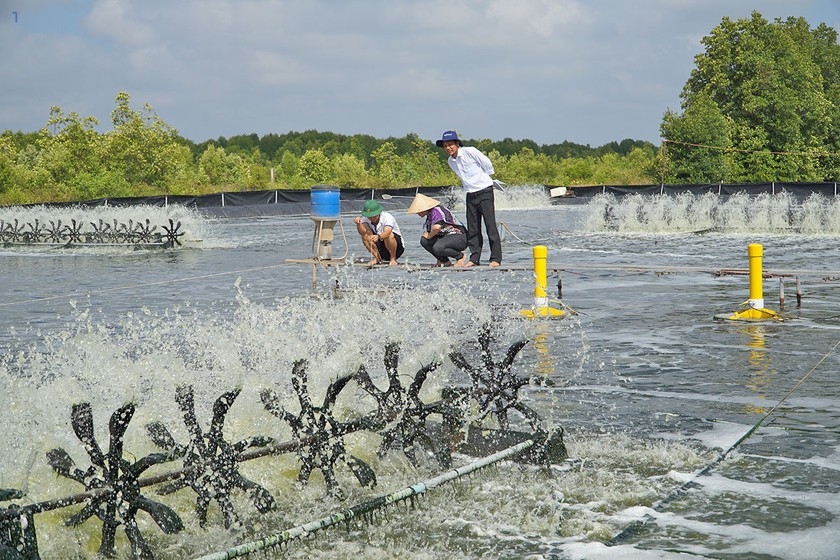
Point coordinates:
[(369, 506), (211, 467), (114, 488)]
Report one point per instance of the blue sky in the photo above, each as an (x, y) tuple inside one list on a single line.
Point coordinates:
[(586, 71)]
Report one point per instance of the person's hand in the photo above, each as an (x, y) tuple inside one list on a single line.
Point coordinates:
[(357, 220), (374, 238)]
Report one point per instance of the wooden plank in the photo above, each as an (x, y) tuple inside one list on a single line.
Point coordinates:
[(628, 268)]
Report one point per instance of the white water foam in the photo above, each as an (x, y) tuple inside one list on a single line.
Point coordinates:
[(510, 511), (192, 223), (738, 213)]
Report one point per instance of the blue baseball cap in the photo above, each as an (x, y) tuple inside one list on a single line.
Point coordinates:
[(447, 136)]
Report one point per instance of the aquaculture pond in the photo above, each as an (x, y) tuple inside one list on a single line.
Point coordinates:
[(686, 436)]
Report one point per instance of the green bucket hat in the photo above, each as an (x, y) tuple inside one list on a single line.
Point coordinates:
[(371, 209)]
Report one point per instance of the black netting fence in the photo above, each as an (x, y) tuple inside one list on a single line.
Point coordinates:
[(297, 201)]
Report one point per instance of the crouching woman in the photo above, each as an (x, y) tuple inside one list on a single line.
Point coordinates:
[(444, 236)]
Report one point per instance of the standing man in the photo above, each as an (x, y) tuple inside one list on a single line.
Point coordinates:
[(380, 234), (474, 170)]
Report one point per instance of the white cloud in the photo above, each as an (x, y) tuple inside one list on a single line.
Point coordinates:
[(275, 69), (588, 71), (116, 20), (546, 18)]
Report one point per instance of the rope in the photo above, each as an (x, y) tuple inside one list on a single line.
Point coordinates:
[(567, 307), (530, 243), (634, 527), (504, 225), (365, 507), (745, 151)]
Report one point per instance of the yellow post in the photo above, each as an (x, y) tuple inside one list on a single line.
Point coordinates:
[(755, 252), (540, 276), (541, 308), (755, 305)]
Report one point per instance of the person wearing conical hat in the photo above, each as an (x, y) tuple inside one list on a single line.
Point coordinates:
[(474, 169), (444, 236), (380, 234)]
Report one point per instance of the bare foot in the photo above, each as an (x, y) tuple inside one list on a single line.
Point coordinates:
[(460, 262), (494, 264), (393, 263), (373, 262), (469, 264)]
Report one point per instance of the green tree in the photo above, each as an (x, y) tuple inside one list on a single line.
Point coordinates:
[(633, 169), (257, 171), (426, 163), (314, 166), (349, 171), (754, 163), (289, 164), (104, 184), (69, 160), (71, 144), (386, 164), (221, 168), (697, 142), (144, 147), (526, 167), (641, 166), (776, 86), (7, 154), (578, 171)]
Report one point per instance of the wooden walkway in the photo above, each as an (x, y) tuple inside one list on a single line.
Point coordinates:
[(827, 275)]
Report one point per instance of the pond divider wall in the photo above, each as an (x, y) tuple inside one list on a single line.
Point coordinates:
[(297, 201)]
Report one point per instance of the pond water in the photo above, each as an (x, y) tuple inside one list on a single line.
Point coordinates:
[(656, 397)]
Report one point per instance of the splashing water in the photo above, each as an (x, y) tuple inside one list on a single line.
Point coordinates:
[(144, 357), (88, 219), (514, 197), (738, 213), (251, 346), (641, 392)]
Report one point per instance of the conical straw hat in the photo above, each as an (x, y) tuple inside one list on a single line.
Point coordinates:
[(421, 203)]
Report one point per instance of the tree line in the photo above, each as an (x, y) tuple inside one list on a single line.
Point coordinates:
[(762, 104), (142, 155)]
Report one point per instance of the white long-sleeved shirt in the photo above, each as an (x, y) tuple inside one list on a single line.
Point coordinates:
[(473, 168)]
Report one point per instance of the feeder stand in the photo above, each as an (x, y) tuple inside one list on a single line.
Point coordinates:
[(323, 238), (325, 213)]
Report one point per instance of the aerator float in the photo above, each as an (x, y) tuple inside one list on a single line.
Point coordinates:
[(473, 419)]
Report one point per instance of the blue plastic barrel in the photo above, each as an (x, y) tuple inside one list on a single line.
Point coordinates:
[(325, 202)]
